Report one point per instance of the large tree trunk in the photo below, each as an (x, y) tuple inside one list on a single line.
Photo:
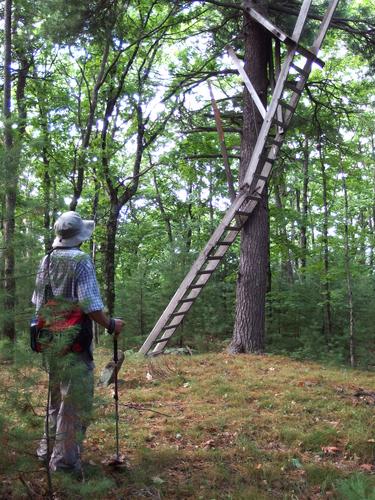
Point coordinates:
[(249, 329)]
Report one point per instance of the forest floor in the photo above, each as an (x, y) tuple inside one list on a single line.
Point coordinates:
[(216, 426)]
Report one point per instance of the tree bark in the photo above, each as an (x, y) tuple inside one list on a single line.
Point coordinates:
[(12, 155), (249, 328), (327, 320), (305, 206), (349, 280), (10, 182), (286, 261), (110, 263)]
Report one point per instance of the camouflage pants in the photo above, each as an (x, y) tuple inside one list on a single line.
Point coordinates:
[(71, 397)]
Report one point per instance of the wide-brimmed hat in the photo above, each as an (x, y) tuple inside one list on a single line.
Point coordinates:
[(71, 230)]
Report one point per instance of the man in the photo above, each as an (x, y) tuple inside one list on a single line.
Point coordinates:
[(67, 276)]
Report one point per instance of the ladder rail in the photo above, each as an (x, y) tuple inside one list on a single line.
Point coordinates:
[(277, 93), (196, 267), (195, 290), (304, 74), (257, 174)]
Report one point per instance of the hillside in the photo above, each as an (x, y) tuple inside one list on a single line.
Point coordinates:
[(217, 427)]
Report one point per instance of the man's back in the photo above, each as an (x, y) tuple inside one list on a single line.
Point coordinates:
[(71, 275)]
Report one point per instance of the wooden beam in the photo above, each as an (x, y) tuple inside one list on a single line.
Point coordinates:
[(247, 81), (279, 87), (283, 37), (223, 148)]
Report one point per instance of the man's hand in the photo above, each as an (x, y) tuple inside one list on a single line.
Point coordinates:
[(119, 323), (103, 320)]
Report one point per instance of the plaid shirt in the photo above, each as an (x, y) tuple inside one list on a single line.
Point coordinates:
[(72, 276)]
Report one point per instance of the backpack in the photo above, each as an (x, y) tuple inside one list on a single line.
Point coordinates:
[(60, 318)]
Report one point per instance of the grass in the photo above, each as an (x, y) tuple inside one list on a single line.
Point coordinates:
[(213, 427)]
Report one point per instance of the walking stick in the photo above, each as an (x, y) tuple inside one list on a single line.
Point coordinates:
[(115, 359), (118, 459)]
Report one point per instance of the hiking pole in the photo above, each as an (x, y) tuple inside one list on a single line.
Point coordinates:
[(115, 359), (117, 460)]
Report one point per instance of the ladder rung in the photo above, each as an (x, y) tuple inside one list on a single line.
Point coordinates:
[(287, 106), (307, 54), (253, 197), (241, 213), (205, 272), (224, 243), (197, 286), (232, 228), (293, 87), (300, 70), (261, 177), (161, 340), (279, 123), (214, 257), (169, 327), (177, 314), (268, 160), (182, 301)]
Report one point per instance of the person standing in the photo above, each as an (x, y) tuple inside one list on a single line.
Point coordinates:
[(67, 299)]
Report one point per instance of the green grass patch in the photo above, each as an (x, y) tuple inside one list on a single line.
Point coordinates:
[(208, 426), (356, 487), (319, 438)]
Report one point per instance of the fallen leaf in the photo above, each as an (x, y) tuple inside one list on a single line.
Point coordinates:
[(157, 480), (209, 444), (330, 450), (367, 467)]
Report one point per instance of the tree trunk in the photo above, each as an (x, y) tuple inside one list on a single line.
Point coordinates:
[(164, 215), (249, 329), (349, 284), (189, 219), (373, 200), (110, 265), (10, 183), (286, 261), (327, 322), (305, 206), (81, 159)]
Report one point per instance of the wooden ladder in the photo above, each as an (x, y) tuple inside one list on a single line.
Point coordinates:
[(276, 120)]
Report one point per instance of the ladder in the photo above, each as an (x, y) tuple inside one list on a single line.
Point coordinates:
[(276, 120)]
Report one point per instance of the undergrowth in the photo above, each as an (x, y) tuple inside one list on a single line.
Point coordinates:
[(208, 426)]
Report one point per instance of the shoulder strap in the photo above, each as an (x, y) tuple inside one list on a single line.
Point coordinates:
[(48, 291)]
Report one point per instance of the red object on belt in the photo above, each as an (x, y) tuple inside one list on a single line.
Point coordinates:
[(61, 319)]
